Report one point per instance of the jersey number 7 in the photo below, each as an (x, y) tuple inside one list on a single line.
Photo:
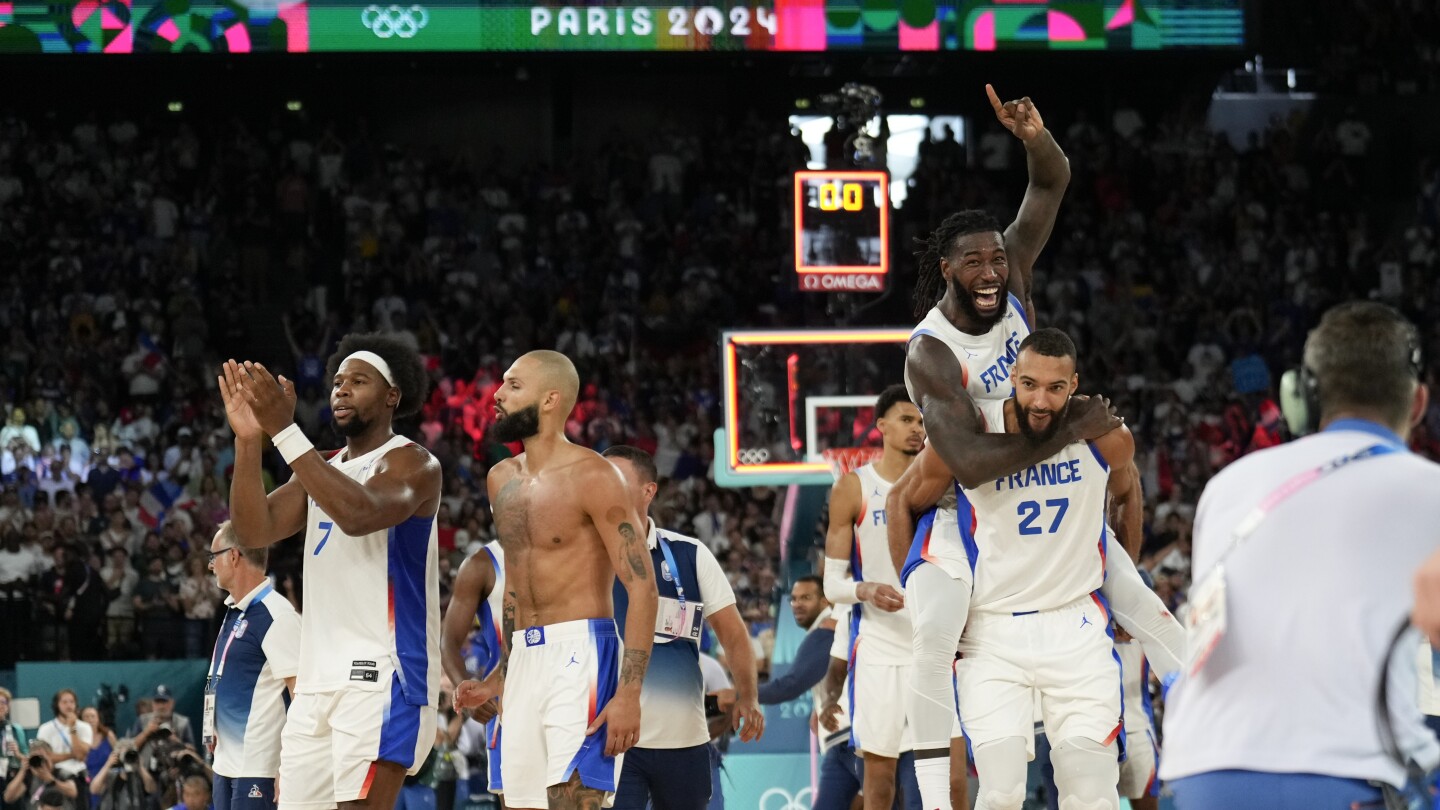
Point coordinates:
[(328, 527)]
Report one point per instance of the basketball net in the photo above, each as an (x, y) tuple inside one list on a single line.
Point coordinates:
[(848, 459)]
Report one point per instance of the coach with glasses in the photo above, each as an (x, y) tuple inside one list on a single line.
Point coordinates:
[(1303, 558), (254, 662)]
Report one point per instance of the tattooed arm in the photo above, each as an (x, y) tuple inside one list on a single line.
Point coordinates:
[(607, 503)]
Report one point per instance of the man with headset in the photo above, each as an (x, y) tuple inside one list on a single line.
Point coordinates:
[(1277, 707)]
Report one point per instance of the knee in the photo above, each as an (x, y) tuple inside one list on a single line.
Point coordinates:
[(1086, 774), (1011, 797), (1077, 803)]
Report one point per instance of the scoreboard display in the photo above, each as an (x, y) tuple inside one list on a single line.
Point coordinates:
[(358, 26), (842, 231)]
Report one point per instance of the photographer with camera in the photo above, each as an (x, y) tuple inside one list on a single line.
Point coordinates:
[(161, 723), (38, 777), (121, 783), (173, 766), (69, 739)]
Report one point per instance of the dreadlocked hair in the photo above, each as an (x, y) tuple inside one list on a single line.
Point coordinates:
[(930, 286), (405, 366)]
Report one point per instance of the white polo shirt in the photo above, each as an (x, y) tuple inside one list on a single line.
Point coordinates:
[(1314, 596), (258, 648), (672, 697)]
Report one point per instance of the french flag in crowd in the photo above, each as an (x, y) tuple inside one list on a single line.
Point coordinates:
[(161, 497)]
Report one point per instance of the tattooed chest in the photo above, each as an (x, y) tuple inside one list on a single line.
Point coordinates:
[(529, 514)]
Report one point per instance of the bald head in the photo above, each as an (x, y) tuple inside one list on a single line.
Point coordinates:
[(554, 372)]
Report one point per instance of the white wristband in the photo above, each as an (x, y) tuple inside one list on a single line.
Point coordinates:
[(292, 444)]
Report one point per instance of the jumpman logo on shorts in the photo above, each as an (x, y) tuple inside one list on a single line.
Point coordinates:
[(572, 660), (1084, 620)]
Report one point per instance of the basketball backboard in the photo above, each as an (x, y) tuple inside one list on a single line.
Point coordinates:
[(788, 395)]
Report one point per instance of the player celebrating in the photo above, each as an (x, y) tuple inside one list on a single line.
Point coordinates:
[(856, 539), (570, 705), (962, 352), (1037, 621), (369, 679)]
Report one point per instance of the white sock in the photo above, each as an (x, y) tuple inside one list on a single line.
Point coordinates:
[(933, 774)]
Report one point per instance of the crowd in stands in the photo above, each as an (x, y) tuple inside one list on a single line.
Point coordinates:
[(141, 253)]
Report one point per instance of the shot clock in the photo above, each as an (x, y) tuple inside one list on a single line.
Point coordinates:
[(842, 231)]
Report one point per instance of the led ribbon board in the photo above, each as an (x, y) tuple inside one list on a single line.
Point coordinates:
[(877, 26)]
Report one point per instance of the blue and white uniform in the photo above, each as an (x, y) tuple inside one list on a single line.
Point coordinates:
[(369, 677), (1037, 620), (487, 649), (561, 676), (880, 658), (985, 365), (671, 760), (258, 648), (1142, 751)]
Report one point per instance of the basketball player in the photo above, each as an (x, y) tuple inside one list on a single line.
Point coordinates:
[(369, 677), (928, 487), (856, 540), (1037, 621), (477, 601), (962, 352), (565, 519), (1142, 752)]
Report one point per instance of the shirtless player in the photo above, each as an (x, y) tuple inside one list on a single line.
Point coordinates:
[(570, 705)]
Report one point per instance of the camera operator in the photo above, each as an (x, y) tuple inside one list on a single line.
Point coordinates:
[(38, 777), (173, 765), (161, 723), (121, 784)]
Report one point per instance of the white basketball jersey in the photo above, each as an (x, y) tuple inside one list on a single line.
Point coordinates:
[(985, 360), (490, 637), (372, 603), (883, 636), (1040, 532), (1139, 715)]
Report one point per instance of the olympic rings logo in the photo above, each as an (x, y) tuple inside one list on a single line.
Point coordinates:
[(752, 455), (787, 801), (394, 21)]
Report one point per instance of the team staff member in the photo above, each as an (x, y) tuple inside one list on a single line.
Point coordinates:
[(669, 766), (1348, 515), (255, 660)]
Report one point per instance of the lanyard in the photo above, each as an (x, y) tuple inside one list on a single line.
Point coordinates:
[(217, 659), (674, 569), (63, 734), (1257, 515)]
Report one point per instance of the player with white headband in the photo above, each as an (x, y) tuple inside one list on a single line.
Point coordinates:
[(364, 714)]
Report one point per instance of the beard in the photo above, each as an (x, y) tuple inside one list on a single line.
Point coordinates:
[(354, 427), (517, 426), (1038, 436), (967, 306)]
